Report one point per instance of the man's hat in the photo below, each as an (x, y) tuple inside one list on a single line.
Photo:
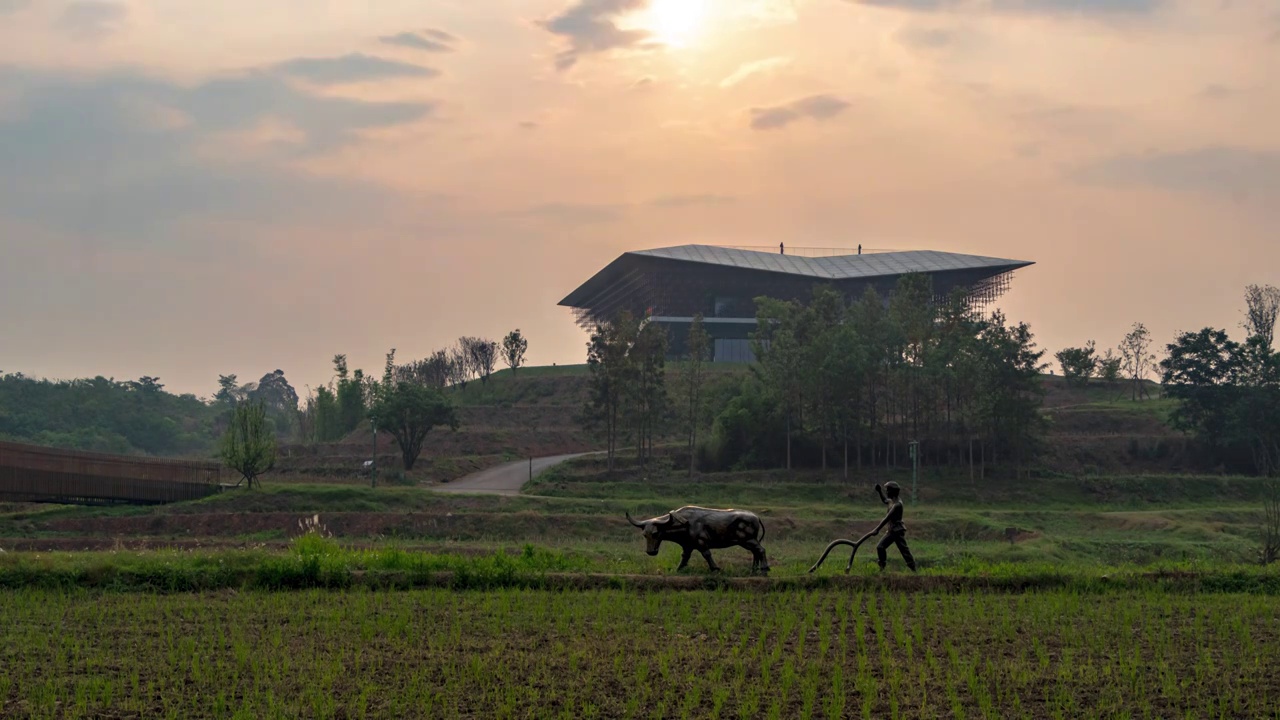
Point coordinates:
[(892, 486)]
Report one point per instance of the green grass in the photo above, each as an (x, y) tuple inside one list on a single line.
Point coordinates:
[(618, 653)]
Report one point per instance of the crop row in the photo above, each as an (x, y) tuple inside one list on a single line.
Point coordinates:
[(614, 653)]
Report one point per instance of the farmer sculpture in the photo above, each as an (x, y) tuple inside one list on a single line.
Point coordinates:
[(897, 532)]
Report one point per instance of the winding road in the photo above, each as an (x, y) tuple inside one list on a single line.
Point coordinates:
[(504, 479)]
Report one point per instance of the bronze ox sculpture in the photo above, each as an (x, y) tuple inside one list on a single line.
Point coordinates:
[(704, 530)]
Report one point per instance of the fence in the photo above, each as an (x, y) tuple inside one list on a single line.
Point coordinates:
[(30, 473)]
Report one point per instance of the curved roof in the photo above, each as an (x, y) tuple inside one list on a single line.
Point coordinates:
[(839, 267)]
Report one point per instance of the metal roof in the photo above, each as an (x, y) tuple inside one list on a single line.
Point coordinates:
[(840, 267)]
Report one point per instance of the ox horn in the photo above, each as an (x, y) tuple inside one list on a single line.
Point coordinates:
[(633, 522)]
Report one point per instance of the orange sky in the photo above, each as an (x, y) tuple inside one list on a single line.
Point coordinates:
[(194, 188)]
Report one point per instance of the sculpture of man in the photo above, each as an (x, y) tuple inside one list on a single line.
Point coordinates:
[(897, 530)]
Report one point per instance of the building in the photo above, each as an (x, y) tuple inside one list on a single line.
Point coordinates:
[(671, 285)]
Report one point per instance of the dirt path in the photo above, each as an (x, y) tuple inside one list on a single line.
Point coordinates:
[(504, 479)]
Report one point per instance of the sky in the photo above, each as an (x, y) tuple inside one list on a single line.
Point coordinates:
[(190, 189)]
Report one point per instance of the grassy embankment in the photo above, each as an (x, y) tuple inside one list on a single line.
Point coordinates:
[(572, 518)]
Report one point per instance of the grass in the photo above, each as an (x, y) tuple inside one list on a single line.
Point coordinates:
[(1126, 596), (617, 653)]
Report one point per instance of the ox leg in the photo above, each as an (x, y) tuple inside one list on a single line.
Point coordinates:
[(760, 562), (684, 559), (706, 554)]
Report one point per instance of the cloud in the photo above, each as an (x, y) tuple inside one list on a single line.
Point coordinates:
[(8, 7), (352, 68), (124, 156), (815, 107), (757, 67), (1234, 171), (92, 19), (912, 5), (1104, 7), (1044, 7), (1216, 91), (529, 125), (590, 27), (684, 201), (928, 38), (437, 41)]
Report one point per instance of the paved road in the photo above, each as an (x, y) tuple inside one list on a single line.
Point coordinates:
[(504, 479)]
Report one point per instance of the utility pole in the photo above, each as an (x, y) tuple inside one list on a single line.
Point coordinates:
[(530, 468), (373, 462)]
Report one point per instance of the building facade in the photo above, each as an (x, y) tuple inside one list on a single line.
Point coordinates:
[(671, 285)]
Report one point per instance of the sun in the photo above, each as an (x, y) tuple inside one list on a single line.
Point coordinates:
[(675, 22)]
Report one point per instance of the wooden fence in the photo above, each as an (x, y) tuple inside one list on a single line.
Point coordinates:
[(30, 473)]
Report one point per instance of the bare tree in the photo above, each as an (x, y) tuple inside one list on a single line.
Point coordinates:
[(514, 346), (459, 364), (482, 356), (1137, 358), (1262, 305)]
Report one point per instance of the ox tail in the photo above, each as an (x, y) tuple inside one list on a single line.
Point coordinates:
[(761, 538), (835, 544)]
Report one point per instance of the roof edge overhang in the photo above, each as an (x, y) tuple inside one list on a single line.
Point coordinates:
[(581, 295)]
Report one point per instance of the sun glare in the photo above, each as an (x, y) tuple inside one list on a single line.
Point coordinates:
[(675, 22)]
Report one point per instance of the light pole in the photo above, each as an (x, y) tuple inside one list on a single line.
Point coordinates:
[(373, 462)]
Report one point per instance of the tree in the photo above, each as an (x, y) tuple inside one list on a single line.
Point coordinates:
[(229, 390), (779, 344), (436, 370), (1262, 304), (1109, 367), (483, 355), (279, 397), (409, 412), (1137, 359), (350, 396), (646, 393), (147, 384), (609, 361), (1078, 364), (697, 343), (326, 423), (459, 365), (1202, 371), (249, 447), (514, 346)]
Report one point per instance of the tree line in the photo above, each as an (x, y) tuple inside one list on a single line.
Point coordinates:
[(628, 394), (408, 402), (141, 417), (130, 417), (854, 383), (1229, 390), (860, 382), (332, 411)]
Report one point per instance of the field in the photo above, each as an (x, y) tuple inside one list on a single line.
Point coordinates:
[(619, 653), (1114, 597), (1112, 584)]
